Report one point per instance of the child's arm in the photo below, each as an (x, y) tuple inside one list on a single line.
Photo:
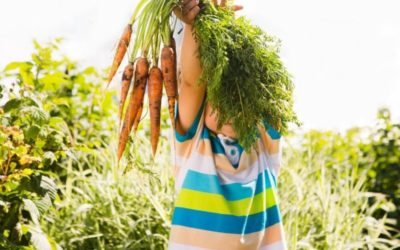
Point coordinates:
[(191, 94)]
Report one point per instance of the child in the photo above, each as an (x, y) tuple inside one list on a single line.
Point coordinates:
[(226, 197)]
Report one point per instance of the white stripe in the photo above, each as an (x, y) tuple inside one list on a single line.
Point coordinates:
[(200, 163), (206, 165), (280, 245), (176, 246), (180, 160), (179, 179), (274, 162), (249, 174)]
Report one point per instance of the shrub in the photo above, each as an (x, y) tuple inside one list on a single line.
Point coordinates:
[(76, 96), (53, 117), (382, 152), (31, 146)]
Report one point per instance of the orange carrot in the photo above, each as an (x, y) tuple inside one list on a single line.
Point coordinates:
[(137, 119), (168, 67), (126, 82), (135, 102), (173, 46), (121, 50), (155, 95)]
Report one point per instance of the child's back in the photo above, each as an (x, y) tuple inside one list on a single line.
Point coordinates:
[(223, 201), (226, 198)]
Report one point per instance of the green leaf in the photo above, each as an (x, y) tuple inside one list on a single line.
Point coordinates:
[(44, 203), (27, 172), (49, 158), (90, 71), (32, 132), (18, 65), (10, 186), (40, 143), (28, 160), (30, 206), (49, 186), (6, 233), (12, 65), (59, 124), (24, 229), (36, 115), (12, 104), (21, 150), (33, 100), (39, 239), (53, 81)]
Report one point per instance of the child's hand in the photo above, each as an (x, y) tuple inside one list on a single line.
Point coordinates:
[(222, 3), (189, 9)]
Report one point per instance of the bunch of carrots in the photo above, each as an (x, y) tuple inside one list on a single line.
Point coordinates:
[(143, 72)]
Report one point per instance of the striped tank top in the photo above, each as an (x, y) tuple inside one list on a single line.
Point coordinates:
[(226, 198)]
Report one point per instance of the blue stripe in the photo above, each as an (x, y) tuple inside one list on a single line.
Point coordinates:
[(231, 192), (275, 135), (205, 134), (193, 128), (216, 145), (226, 223)]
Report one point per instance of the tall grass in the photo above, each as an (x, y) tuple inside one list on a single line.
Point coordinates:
[(112, 207), (322, 197)]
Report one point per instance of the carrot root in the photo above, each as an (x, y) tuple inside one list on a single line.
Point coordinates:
[(126, 82), (137, 119), (135, 102), (121, 51), (155, 96), (168, 67)]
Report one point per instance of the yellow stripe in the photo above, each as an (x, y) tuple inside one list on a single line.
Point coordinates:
[(216, 203)]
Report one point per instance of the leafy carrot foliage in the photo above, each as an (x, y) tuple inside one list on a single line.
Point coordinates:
[(247, 82)]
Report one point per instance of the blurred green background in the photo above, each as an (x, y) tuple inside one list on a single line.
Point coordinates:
[(61, 186)]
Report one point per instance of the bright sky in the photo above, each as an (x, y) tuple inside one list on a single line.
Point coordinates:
[(344, 54)]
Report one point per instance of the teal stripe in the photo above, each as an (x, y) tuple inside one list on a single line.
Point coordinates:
[(205, 134), (193, 128), (231, 192), (226, 223), (275, 135), (216, 145)]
